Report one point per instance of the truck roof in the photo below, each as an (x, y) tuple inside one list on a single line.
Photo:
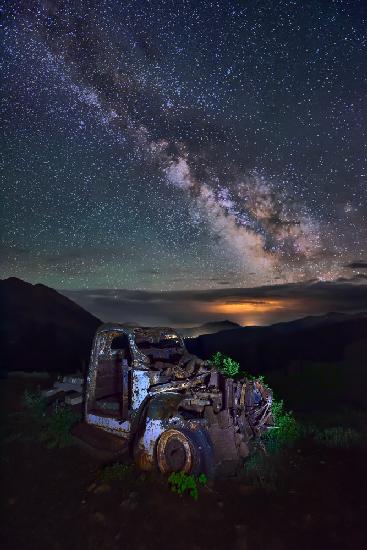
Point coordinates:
[(149, 332)]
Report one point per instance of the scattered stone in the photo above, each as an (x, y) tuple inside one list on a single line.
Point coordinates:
[(124, 503), (220, 504), (103, 488), (131, 502), (91, 487), (99, 517)]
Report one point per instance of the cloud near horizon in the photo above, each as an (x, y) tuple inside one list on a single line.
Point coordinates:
[(248, 306)]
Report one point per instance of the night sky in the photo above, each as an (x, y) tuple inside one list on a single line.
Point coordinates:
[(186, 146)]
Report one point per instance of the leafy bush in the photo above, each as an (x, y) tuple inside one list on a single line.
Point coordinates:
[(286, 429), (181, 482), (57, 427), (35, 403), (225, 364)]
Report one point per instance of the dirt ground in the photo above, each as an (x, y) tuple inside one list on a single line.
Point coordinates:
[(54, 499)]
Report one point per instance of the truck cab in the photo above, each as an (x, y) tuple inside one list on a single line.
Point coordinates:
[(176, 411)]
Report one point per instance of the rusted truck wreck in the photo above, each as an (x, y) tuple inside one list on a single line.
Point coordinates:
[(176, 411)]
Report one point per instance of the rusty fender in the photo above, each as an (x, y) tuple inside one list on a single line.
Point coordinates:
[(160, 412)]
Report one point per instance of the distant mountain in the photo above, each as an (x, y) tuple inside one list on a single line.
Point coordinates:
[(324, 338), (208, 328), (41, 330)]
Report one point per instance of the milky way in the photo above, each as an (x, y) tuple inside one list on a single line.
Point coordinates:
[(184, 144)]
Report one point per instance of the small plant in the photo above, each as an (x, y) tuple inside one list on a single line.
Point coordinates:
[(286, 429), (35, 403), (225, 364), (261, 470), (181, 482), (57, 427), (116, 472)]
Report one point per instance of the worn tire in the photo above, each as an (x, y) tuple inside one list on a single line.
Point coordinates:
[(185, 450)]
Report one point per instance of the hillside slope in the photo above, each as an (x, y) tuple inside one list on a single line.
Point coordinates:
[(41, 330), (260, 349)]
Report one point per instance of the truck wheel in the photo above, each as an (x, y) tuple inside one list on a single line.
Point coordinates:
[(183, 450)]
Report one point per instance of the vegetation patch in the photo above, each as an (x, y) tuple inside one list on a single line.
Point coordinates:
[(181, 483), (54, 425), (35, 403), (286, 429), (57, 427), (116, 472), (225, 364), (337, 436)]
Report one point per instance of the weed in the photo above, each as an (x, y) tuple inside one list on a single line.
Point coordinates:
[(56, 431), (261, 470), (181, 482), (225, 364), (286, 429), (35, 403), (116, 472)]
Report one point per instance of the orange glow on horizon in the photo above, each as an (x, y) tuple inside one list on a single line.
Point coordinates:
[(236, 308)]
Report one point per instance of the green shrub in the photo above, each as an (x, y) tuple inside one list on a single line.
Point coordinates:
[(225, 364), (286, 429), (181, 482), (35, 403), (57, 427)]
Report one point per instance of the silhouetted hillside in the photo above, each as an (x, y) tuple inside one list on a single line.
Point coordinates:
[(260, 349), (41, 330), (208, 328)]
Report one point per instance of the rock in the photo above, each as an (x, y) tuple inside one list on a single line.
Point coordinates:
[(125, 503), (103, 488), (131, 502), (99, 517)]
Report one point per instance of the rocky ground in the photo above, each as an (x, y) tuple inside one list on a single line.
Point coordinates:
[(60, 498)]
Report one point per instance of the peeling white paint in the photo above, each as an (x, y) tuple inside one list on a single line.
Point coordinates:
[(109, 424)]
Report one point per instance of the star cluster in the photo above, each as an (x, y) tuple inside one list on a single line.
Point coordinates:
[(183, 145)]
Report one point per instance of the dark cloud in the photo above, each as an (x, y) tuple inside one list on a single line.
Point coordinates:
[(261, 305), (357, 265)]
